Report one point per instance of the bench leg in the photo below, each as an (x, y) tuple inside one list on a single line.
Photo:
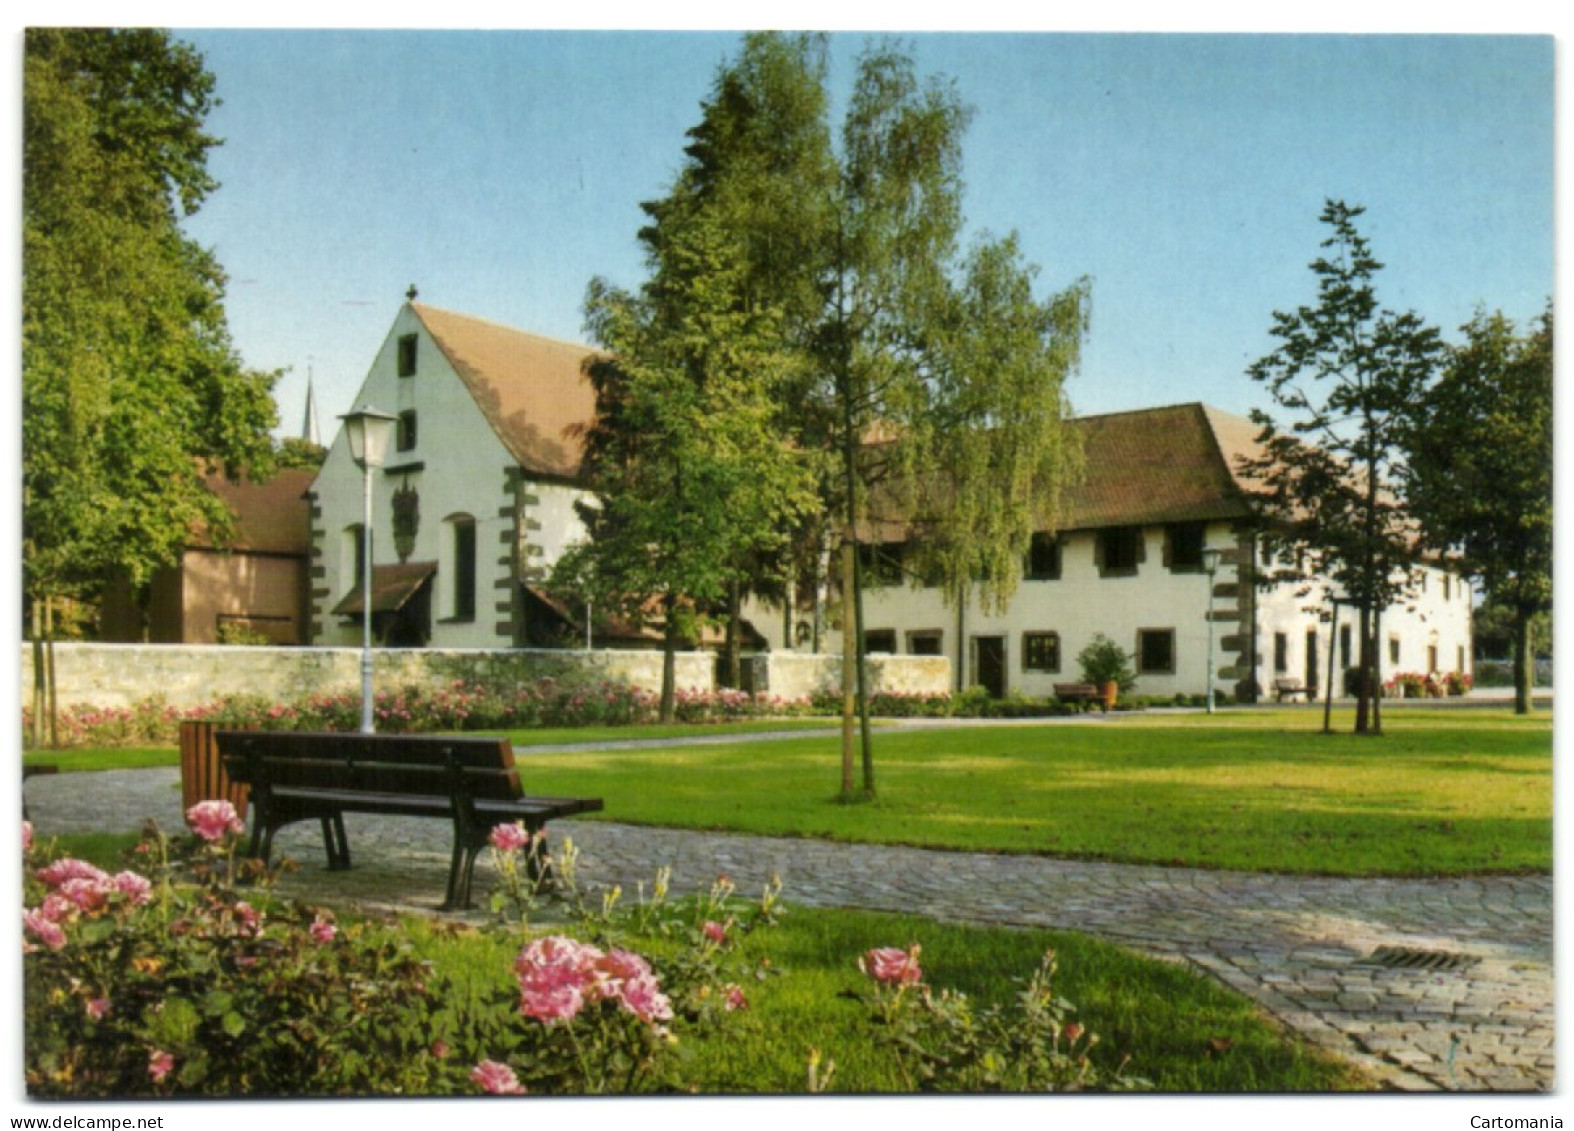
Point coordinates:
[(336, 843), (461, 870)]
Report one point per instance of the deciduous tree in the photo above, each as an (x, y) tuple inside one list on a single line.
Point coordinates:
[(1345, 376), (1480, 471)]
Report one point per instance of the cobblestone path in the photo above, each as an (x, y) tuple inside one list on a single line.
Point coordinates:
[(1307, 949)]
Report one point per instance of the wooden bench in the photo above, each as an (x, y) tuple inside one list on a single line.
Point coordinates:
[(1080, 695), (470, 781), (1290, 688)]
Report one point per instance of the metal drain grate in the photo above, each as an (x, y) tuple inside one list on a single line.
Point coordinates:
[(1426, 961)]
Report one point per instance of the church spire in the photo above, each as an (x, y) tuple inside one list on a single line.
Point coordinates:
[(310, 432)]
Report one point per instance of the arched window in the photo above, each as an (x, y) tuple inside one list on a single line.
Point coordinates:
[(459, 564)]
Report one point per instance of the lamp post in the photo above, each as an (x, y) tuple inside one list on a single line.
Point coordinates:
[(367, 431), (1210, 566)]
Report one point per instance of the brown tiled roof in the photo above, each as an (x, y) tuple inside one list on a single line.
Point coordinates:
[(392, 588), (1171, 464), (270, 517), (532, 390)]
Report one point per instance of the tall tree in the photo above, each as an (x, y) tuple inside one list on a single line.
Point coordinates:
[(130, 386), (131, 390), (691, 478), (947, 361), (1345, 375), (1480, 471)]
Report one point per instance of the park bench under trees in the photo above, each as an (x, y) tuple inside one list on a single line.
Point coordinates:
[(1079, 695), (470, 781)]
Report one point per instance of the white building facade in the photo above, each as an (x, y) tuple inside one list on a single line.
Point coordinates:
[(476, 497), (477, 501), (1162, 486)]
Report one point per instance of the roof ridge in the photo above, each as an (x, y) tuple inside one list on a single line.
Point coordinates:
[(421, 308)]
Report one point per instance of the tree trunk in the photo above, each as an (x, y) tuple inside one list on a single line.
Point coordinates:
[(1524, 662), (669, 662), (40, 685), (863, 688), (1363, 678), (730, 658), (849, 676), (1376, 677)]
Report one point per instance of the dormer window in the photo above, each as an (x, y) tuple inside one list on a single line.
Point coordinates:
[(407, 349)]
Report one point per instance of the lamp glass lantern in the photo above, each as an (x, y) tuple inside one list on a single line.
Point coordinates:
[(367, 431)]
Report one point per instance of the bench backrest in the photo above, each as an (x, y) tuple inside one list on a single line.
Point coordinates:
[(409, 764)]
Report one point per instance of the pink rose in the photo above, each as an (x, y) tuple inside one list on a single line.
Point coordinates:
[(160, 1064), (87, 895), (497, 1079), (553, 974), (715, 931), (509, 838), (211, 820), (891, 966), (44, 928), (98, 1008), (68, 868), (27, 836), (135, 887), (323, 931), (628, 978), (735, 999), (248, 918)]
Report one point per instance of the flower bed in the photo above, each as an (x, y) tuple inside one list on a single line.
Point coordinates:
[(165, 981)]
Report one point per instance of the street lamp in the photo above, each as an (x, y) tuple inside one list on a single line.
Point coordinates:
[(1210, 566), (367, 431)]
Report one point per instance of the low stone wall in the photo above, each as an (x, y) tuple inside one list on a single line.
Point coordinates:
[(797, 675), (119, 675)]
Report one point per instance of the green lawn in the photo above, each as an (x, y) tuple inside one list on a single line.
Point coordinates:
[(1182, 1033), (1443, 792)]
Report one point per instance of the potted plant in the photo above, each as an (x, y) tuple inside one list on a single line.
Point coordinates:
[(1107, 666)]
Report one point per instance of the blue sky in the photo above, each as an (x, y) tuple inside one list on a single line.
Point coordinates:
[(500, 171)]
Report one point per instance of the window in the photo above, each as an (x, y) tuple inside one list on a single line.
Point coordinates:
[(352, 558), (1281, 653), (925, 643), (1344, 645), (1155, 651), (880, 640), (404, 434), (1448, 588), (1183, 546), (1431, 658), (1119, 549), (407, 347), (1393, 650), (464, 568), (1041, 651), (1043, 558), (1459, 658)]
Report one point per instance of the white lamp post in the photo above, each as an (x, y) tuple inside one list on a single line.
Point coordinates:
[(1210, 566), (367, 431)]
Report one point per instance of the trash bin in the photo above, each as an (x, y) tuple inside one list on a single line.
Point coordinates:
[(202, 776)]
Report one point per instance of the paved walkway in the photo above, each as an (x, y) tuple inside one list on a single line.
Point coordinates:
[(1303, 948)]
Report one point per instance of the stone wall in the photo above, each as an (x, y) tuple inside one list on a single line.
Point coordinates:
[(118, 675), (798, 675), (188, 675)]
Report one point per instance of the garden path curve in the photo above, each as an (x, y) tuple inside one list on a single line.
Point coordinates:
[(1304, 948)]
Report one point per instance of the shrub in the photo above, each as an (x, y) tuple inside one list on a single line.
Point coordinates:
[(1103, 661)]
